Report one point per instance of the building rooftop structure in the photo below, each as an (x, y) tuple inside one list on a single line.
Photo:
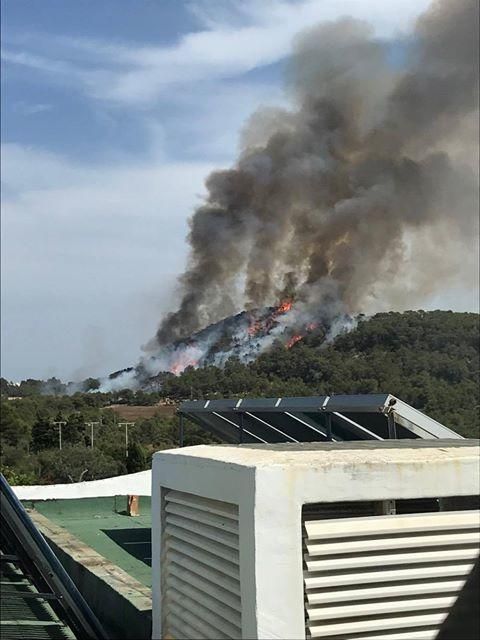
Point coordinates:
[(337, 540)]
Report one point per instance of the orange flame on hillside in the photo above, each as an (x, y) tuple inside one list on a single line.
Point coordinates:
[(293, 340), (255, 327), (182, 363), (284, 306), (265, 324)]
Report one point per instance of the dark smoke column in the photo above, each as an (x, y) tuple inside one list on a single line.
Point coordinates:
[(349, 195)]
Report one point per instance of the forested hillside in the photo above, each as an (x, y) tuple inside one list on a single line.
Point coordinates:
[(428, 359)]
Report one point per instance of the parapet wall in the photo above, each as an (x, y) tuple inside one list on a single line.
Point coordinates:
[(139, 484)]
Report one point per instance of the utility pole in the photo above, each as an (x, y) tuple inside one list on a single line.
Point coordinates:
[(59, 424), (91, 425), (126, 425)]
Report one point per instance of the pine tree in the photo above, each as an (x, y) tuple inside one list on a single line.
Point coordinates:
[(136, 458), (44, 435)]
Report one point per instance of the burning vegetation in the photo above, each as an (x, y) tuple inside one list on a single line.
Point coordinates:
[(244, 335)]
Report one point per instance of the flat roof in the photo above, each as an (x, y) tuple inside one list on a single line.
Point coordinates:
[(325, 454), (103, 525)]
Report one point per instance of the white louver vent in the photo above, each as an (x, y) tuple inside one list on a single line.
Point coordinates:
[(200, 568), (386, 577)]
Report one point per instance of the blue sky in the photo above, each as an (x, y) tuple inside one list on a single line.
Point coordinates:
[(114, 112)]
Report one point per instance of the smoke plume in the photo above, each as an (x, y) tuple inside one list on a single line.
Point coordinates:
[(364, 191)]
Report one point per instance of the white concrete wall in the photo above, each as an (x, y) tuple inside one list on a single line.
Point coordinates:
[(139, 484), (219, 481)]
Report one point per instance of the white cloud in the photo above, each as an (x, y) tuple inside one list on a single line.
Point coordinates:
[(137, 75), (217, 113), (55, 205), (82, 245)]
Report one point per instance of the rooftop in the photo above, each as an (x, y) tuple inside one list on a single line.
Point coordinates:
[(325, 454), (103, 525)]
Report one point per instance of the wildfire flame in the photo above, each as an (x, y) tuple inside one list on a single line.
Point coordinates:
[(293, 340), (191, 355), (284, 306), (183, 361), (255, 327), (264, 325)]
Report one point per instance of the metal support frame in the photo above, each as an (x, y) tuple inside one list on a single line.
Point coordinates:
[(270, 426), (234, 424), (392, 427), (328, 420), (305, 422), (365, 434)]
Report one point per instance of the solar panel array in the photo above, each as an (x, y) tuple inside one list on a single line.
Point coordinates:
[(312, 419)]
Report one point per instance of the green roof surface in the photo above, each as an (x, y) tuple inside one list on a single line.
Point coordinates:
[(103, 525)]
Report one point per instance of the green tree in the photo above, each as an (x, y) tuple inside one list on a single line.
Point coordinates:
[(17, 478), (74, 431), (6, 389), (91, 384), (77, 464), (45, 435), (136, 460), (30, 387), (14, 430), (53, 386)]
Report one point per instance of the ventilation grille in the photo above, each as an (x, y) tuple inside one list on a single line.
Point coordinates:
[(200, 568), (386, 577), (328, 510)]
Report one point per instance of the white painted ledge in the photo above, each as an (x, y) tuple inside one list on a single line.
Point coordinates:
[(139, 484)]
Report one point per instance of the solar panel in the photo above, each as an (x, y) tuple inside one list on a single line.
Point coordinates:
[(313, 419)]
